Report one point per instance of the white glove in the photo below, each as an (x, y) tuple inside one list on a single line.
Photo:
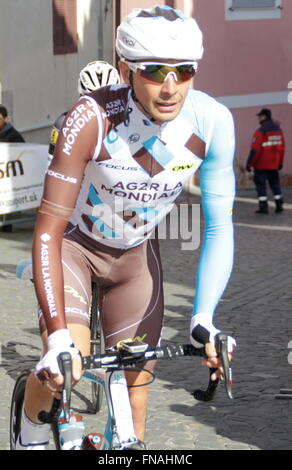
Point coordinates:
[(203, 331), (58, 342)]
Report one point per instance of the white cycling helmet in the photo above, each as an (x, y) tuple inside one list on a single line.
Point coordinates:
[(159, 32), (95, 75)]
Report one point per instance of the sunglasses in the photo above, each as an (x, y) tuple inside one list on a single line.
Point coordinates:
[(159, 72)]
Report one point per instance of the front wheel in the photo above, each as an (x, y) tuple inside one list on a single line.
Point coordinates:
[(96, 346), (17, 403)]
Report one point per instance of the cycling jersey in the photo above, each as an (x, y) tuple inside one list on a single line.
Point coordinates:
[(120, 174)]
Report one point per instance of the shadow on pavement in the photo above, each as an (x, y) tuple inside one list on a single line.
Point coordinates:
[(17, 356)]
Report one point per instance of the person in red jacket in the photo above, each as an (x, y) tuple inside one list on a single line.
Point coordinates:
[(266, 158)]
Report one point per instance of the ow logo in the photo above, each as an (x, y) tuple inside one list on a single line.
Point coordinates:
[(290, 94)]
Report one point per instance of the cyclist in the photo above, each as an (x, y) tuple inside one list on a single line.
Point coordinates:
[(115, 158), (94, 75)]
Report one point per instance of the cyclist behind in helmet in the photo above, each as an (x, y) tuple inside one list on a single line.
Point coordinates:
[(117, 154), (94, 75)]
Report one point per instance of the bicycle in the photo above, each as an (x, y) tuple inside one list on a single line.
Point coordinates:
[(102, 369), (108, 371)]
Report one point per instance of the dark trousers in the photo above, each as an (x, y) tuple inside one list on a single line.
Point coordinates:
[(260, 179)]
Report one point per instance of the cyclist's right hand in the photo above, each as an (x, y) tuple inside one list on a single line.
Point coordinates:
[(48, 369)]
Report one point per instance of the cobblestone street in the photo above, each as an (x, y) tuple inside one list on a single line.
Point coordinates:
[(256, 309)]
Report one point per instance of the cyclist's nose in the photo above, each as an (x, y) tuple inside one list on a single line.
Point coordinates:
[(169, 86)]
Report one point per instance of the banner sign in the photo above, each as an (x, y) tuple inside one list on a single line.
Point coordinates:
[(22, 172)]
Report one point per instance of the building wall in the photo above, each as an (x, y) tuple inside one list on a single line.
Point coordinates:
[(35, 84), (247, 65)]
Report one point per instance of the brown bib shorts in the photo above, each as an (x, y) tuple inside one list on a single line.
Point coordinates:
[(130, 287)]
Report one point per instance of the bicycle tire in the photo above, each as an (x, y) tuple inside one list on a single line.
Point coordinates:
[(16, 407), (96, 347)]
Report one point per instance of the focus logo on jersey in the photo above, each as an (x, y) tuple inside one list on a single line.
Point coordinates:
[(60, 176)]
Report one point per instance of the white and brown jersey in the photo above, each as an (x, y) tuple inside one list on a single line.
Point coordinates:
[(136, 169), (115, 175)]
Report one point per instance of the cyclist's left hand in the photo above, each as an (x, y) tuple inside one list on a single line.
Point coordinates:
[(203, 333)]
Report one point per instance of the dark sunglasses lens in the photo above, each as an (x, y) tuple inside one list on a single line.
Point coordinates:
[(154, 73), (158, 73), (185, 72)]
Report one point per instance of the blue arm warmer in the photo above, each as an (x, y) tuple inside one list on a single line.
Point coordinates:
[(218, 188)]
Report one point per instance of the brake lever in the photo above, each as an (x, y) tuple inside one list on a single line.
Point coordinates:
[(222, 349), (65, 365)]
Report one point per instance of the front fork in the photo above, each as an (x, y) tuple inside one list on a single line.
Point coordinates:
[(119, 433)]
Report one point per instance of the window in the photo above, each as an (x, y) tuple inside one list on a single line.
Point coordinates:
[(64, 26), (252, 9), (253, 3)]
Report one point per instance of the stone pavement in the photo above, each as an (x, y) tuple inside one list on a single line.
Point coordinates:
[(256, 309)]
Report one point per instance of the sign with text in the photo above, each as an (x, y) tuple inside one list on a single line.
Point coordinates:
[(22, 172)]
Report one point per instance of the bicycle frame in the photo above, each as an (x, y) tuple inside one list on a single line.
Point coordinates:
[(119, 429)]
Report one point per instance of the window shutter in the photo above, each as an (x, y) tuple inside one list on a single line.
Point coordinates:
[(64, 26), (59, 27), (253, 4), (71, 26)]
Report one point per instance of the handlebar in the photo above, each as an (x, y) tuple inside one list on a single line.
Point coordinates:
[(123, 357)]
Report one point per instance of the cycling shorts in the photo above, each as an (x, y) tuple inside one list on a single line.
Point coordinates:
[(130, 287)]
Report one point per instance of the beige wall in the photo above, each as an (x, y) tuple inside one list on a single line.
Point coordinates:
[(35, 85)]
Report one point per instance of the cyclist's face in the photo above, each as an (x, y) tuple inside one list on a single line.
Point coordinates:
[(163, 101)]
